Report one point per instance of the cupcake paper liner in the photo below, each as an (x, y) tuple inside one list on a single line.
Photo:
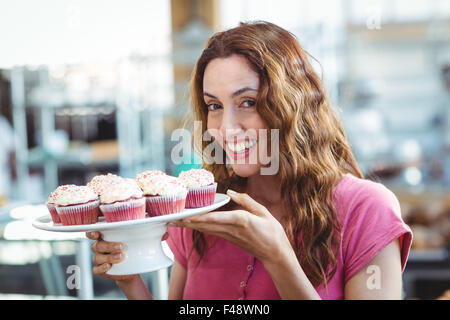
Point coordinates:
[(201, 197), (160, 205), (86, 213), (124, 210), (52, 209)]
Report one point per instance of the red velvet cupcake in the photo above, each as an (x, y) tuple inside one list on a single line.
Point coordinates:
[(201, 187), (164, 194), (77, 205), (51, 203), (101, 182), (122, 200)]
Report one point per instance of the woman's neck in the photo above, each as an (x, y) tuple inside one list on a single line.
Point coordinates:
[(265, 189)]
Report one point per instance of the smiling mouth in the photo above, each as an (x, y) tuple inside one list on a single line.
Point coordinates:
[(241, 146), (239, 150)]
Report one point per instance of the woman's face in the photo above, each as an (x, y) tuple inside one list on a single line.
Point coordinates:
[(230, 88)]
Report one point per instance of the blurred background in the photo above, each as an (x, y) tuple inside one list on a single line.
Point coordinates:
[(90, 87)]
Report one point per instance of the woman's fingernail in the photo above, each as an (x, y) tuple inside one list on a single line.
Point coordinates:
[(118, 247), (231, 192), (106, 266), (187, 221), (171, 224), (117, 256)]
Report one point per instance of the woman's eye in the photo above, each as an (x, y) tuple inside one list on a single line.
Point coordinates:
[(248, 104), (213, 107)]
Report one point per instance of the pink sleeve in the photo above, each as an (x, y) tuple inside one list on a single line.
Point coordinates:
[(374, 221), (177, 245)]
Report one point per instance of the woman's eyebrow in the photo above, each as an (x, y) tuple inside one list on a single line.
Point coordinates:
[(234, 94), (209, 95), (241, 91)]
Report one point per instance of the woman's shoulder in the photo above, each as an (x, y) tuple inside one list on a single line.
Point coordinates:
[(351, 187), (354, 194)]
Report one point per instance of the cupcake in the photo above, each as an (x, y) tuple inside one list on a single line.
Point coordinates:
[(77, 205), (164, 194), (201, 187), (51, 203), (122, 200), (100, 182)]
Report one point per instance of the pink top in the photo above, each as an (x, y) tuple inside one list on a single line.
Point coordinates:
[(369, 215)]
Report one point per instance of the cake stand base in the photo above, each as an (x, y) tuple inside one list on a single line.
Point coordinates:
[(142, 249)]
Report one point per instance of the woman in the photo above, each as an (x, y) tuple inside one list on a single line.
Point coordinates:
[(313, 230)]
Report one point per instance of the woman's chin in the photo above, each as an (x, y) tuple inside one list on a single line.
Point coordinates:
[(246, 170)]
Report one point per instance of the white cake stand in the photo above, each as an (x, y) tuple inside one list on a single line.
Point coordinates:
[(143, 251)]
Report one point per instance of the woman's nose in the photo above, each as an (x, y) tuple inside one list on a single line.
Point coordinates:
[(230, 124)]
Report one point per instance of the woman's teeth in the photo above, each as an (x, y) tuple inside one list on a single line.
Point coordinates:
[(240, 147)]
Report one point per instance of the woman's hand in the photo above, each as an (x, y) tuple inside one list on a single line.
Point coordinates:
[(254, 229), (105, 255)]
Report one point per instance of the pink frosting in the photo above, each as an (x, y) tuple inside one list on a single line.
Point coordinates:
[(55, 194), (196, 178), (162, 185), (120, 190), (101, 182), (149, 174), (72, 194)]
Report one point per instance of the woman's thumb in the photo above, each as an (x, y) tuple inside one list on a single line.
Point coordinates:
[(247, 202)]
